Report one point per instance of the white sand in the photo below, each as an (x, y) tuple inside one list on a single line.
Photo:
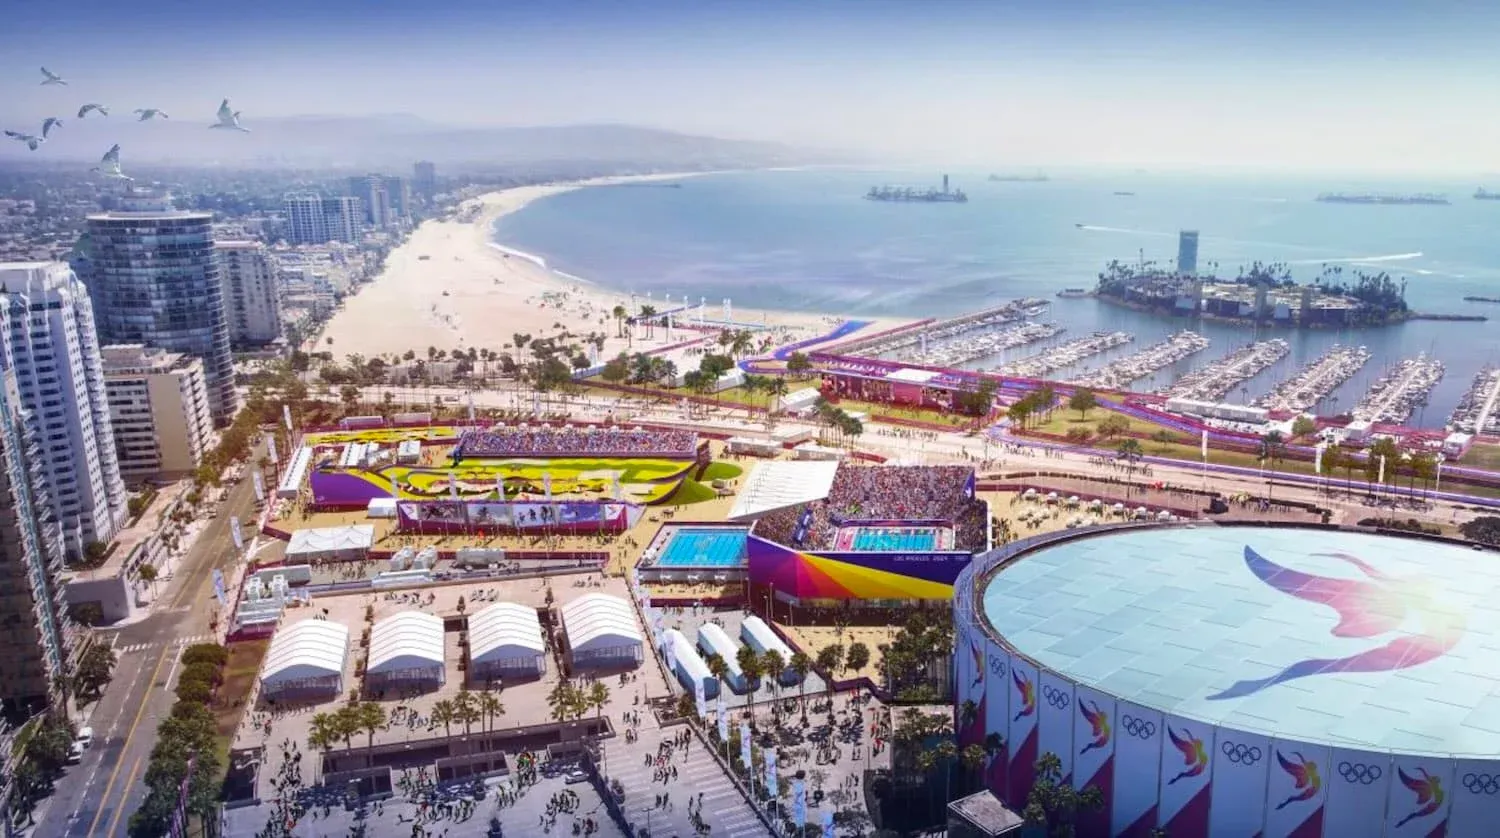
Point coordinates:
[(469, 292)]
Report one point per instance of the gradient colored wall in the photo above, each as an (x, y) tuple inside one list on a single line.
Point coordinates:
[(831, 575)]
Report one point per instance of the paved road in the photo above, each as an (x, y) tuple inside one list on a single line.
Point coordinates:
[(97, 797)]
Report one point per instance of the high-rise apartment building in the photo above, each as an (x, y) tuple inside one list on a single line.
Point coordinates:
[(386, 199), (252, 298), (424, 179), (47, 321), (155, 280), (1187, 252), (158, 410), (313, 219), (35, 636)]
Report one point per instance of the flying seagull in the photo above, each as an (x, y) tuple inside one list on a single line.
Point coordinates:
[(149, 113), (31, 141), (52, 78), (229, 118), (103, 111), (48, 124), (109, 165)]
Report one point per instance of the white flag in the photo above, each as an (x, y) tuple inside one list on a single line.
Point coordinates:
[(471, 405), (271, 447), (234, 532), (286, 415), (699, 699), (1318, 459), (671, 652), (260, 485), (1381, 478), (771, 772), (723, 719), (547, 484), (1204, 444), (745, 747), (799, 803), (453, 485), (1438, 483)]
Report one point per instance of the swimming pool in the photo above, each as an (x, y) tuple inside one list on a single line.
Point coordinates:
[(894, 539), (704, 548)]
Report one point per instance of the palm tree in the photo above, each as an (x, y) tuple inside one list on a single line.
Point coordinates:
[(619, 314), (740, 343), (147, 572), (464, 710), (718, 668), (778, 390), (371, 718), (647, 313), (490, 706), (347, 723), (750, 667), (598, 696), (322, 732), (801, 664), (443, 714), (774, 664)]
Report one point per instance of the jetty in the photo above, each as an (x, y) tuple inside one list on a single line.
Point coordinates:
[(969, 346), (1212, 382), (1064, 355), (1316, 380), (1119, 374), (1394, 397), (1475, 413)]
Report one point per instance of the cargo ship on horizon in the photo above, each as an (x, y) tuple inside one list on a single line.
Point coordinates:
[(1486, 195), (904, 194), (1345, 198)]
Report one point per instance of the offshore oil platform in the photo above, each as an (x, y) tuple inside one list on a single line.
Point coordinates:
[(910, 193)]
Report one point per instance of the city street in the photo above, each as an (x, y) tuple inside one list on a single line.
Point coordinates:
[(96, 797)]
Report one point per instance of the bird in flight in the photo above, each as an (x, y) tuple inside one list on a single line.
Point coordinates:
[(30, 140), (103, 111), (52, 78), (229, 119), (48, 124), (109, 165), (149, 113)]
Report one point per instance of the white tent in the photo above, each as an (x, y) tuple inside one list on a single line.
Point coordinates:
[(601, 630), (406, 647), (780, 484), (381, 508), (505, 640), (306, 657), (330, 544)]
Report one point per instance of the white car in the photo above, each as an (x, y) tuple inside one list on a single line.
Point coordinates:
[(85, 738)]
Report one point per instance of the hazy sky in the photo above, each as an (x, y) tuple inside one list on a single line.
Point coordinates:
[(1359, 83)]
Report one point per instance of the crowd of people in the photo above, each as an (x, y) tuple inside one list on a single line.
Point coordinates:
[(573, 441), (884, 493)]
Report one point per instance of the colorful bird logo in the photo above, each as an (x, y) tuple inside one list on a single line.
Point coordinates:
[(1366, 609), (1098, 722), (1027, 691), (1193, 755), (978, 664), (1304, 774), (1429, 794)]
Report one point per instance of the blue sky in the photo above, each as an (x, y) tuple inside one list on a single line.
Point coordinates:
[(1372, 84)]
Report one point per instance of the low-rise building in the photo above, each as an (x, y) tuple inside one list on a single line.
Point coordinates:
[(158, 404)]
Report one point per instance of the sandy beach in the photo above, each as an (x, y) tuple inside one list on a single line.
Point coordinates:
[(450, 287)]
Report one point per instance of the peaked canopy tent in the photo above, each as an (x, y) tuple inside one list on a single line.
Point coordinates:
[(780, 484), (306, 659), (404, 648), (601, 631), (505, 641), (330, 544)]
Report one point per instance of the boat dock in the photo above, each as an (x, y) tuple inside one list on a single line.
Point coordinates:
[(1064, 355), (1475, 413), (892, 345), (1395, 396), (1316, 380), (1211, 383), (1119, 374), (965, 348)]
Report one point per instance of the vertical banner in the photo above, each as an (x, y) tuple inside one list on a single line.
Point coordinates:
[(997, 692), (1241, 762), (1055, 727), (1420, 795), (799, 804), (219, 592), (699, 699), (1296, 788), (1380, 480), (1095, 726), (286, 415), (471, 405), (452, 485), (500, 486), (723, 720), (745, 750), (669, 648), (617, 492), (771, 772), (1318, 457), (547, 485), (971, 690), (235, 533), (827, 824), (1203, 444), (1186, 763), (1357, 790), (271, 447), (1022, 726), (1138, 738), (1476, 798), (259, 484)]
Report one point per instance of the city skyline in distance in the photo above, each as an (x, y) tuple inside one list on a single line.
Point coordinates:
[(1381, 86)]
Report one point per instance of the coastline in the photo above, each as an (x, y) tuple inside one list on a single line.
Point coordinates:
[(470, 291)]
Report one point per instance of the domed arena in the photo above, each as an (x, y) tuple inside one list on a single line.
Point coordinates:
[(1228, 681)]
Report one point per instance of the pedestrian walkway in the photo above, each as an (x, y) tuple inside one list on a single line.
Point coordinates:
[(176, 641)]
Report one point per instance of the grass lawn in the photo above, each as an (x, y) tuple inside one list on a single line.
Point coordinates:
[(239, 677), (691, 492), (1063, 419), (719, 470), (879, 410), (1482, 456)]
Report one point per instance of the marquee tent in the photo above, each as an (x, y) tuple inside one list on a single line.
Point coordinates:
[(505, 641), (327, 544), (306, 658), (406, 647), (601, 631)]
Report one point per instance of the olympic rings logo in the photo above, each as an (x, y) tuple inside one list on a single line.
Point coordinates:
[(1058, 699), (1139, 728), (997, 665), (1358, 772), (1241, 754), (1482, 783)]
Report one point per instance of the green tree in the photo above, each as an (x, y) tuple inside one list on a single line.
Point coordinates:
[(1019, 412), (1129, 449), (444, 713), (1083, 400), (798, 364), (617, 369), (801, 664), (94, 672), (371, 718), (491, 706), (717, 668), (1054, 805), (1304, 425), (1113, 425), (831, 659), (858, 657), (598, 697), (1163, 438)]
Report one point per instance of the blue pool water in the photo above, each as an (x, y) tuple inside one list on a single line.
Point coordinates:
[(704, 548), (887, 540)]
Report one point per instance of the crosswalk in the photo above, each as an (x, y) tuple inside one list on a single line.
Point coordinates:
[(176, 641), (724, 809)]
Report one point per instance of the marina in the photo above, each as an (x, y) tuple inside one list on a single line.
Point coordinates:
[(1064, 355), (1315, 381), (1475, 413), (1212, 382), (909, 343), (1121, 373), (970, 347), (1395, 396)]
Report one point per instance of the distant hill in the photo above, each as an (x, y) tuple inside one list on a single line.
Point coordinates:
[(337, 141)]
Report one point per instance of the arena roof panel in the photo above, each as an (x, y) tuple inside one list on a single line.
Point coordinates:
[(1347, 639)]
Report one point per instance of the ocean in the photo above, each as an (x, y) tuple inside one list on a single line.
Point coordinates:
[(808, 241)]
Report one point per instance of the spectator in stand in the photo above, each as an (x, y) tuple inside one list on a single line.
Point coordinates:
[(885, 493), (569, 441)]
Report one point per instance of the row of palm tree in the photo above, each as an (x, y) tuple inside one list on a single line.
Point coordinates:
[(341, 725), (569, 701), (833, 416)]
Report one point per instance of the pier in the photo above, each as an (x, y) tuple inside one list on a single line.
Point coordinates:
[(1211, 383), (965, 348), (1316, 380), (1394, 397), (1119, 374), (891, 345), (1065, 355), (1475, 413)]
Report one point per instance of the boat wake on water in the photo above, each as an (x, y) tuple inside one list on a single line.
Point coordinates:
[(1097, 229), (1360, 260)]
